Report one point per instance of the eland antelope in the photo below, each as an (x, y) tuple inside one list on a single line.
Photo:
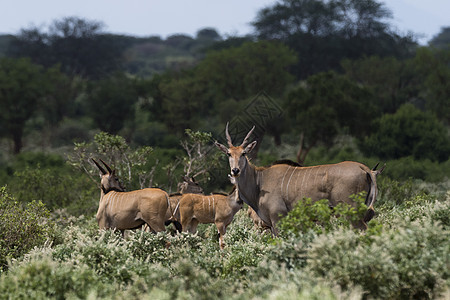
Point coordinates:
[(129, 210), (273, 191), (215, 208), (187, 186)]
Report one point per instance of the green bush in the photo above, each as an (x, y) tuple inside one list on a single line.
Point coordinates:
[(47, 178), (402, 255), (21, 228), (319, 217), (393, 192), (408, 167), (44, 278), (408, 132), (408, 262)]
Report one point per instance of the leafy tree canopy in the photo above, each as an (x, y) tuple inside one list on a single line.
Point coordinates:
[(22, 83), (111, 102), (324, 32), (442, 39), (79, 45), (325, 105), (408, 132)]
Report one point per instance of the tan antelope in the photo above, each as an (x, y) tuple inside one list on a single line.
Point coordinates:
[(273, 191), (129, 210), (188, 185), (216, 208)]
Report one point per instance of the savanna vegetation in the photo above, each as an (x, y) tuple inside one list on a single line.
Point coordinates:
[(323, 81)]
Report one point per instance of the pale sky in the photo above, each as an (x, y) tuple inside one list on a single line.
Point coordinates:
[(165, 17)]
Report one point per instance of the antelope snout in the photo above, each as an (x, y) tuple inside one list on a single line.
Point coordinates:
[(235, 172)]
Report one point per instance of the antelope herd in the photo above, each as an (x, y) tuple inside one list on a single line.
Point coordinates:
[(270, 193)]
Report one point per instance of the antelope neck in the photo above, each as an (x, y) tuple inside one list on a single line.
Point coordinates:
[(105, 191), (248, 185)]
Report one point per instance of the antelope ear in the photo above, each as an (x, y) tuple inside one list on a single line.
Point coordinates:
[(221, 147), (250, 147)]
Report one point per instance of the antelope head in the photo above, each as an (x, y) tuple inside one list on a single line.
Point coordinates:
[(109, 180), (237, 154), (189, 186)]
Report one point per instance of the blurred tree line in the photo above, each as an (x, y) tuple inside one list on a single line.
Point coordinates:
[(333, 67)]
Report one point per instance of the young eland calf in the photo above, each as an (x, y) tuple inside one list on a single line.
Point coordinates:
[(188, 186), (216, 208), (129, 210)]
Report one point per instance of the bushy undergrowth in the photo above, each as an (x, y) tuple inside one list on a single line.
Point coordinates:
[(319, 217), (404, 254), (47, 178), (21, 227)]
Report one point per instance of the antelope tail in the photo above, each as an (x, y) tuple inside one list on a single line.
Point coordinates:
[(373, 191)]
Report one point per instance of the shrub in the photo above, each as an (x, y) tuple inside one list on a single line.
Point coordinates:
[(408, 132), (317, 216), (43, 278), (410, 261), (425, 169), (393, 192), (21, 228), (55, 188)]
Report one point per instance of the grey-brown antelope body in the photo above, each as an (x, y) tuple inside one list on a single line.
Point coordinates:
[(216, 208), (129, 210), (273, 191)]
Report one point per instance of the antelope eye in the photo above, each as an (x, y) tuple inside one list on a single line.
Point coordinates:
[(244, 153), (228, 153)]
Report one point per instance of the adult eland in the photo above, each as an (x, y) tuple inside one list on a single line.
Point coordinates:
[(129, 210), (273, 191)]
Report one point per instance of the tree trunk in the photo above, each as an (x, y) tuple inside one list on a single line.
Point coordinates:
[(300, 149), (303, 151), (277, 139), (17, 138)]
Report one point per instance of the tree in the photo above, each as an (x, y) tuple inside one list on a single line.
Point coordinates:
[(431, 67), (408, 132), (132, 165), (326, 105), (59, 102), (324, 32), (208, 34), (21, 85), (393, 81), (442, 39), (197, 96), (111, 102), (242, 72), (79, 45)]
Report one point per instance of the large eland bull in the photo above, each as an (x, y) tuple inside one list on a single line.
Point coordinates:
[(129, 210), (273, 191)]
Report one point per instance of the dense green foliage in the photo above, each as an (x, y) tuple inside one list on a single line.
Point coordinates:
[(21, 227), (21, 85), (325, 32), (319, 217), (403, 254), (324, 106), (408, 132)]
